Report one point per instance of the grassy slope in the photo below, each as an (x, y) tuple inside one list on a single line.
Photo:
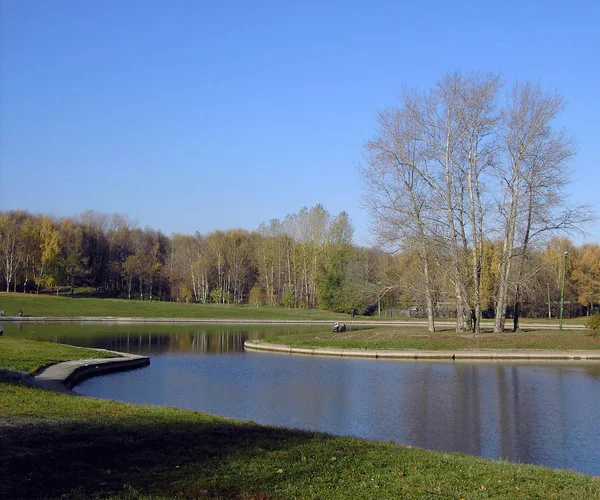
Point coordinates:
[(65, 306), (417, 338), (50, 305), (57, 445), (28, 355)]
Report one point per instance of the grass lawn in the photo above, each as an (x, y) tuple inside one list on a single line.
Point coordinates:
[(51, 305), (29, 355), (444, 339), (56, 446), (60, 446)]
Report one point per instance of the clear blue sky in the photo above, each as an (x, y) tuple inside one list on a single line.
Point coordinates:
[(202, 115)]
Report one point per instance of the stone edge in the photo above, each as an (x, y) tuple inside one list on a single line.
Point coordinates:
[(491, 354), (62, 377)]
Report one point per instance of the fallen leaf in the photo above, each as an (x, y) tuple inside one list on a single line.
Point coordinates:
[(304, 459), (333, 459), (482, 488), (352, 468), (400, 474), (279, 471)]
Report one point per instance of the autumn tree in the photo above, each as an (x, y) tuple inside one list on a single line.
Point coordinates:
[(586, 275)]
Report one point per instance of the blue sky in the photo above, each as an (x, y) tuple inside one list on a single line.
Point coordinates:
[(202, 115)]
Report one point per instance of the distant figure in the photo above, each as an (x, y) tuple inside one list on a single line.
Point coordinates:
[(352, 313), (1, 313), (20, 313), (343, 327), (336, 327)]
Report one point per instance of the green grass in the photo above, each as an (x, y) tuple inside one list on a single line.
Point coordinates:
[(445, 339), (29, 355), (50, 305), (56, 446), (60, 446)]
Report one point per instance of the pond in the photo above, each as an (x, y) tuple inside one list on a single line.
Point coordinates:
[(534, 412)]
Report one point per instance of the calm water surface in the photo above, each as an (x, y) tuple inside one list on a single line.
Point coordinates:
[(542, 413)]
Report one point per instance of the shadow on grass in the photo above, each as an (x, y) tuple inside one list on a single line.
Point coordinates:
[(81, 459)]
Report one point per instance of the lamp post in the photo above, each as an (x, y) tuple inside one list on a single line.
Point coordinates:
[(378, 299), (562, 291), (549, 308)]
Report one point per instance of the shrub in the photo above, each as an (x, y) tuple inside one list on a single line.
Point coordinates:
[(594, 323)]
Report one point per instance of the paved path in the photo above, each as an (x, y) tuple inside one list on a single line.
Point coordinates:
[(61, 377), (349, 322), (539, 354)]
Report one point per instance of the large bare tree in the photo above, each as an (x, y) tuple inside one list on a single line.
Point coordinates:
[(441, 159), (398, 196), (533, 171)]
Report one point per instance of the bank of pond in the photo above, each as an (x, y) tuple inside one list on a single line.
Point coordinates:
[(541, 413)]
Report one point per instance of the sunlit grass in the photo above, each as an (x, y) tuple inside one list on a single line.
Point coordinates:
[(52, 306), (444, 339), (59, 446), (28, 355), (79, 448)]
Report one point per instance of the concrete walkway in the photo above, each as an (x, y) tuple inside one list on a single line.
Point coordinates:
[(349, 322), (535, 354), (61, 377)]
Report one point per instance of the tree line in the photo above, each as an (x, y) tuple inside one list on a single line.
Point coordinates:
[(298, 262), (307, 260), (465, 187)]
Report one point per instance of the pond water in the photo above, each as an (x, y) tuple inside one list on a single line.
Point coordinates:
[(534, 412)]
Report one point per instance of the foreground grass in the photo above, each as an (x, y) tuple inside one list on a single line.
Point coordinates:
[(60, 446), (50, 305), (29, 355), (56, 446), (444, 339)]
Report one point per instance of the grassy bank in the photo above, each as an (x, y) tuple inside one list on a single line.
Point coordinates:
[(60, 446), (28, 355), (79, 448), (51, 305), (444, 339)]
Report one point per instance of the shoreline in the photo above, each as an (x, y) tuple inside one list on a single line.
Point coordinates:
[(62, 377), (349, 322), (487, 354)]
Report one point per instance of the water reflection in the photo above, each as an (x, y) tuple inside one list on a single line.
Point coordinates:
[(544, 413), (152, 339)]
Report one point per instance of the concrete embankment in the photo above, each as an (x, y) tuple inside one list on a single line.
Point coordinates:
[(490, 354), (61, 377)]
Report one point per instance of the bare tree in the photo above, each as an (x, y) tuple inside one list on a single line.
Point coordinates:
[(398, 196), (533, 172), (425, 178), (437, 165), (10, 236)]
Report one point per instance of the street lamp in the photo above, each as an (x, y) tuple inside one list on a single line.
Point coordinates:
[(378, 299), (562, 290)]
